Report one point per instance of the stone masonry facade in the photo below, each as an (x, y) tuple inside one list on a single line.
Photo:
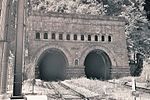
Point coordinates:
[(76, 35)]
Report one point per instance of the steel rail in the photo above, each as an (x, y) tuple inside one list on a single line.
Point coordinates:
[(81, 95), (55, 90), (60, 95)]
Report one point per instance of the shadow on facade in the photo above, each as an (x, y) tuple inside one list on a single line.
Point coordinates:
[(97, 65), (51, 65), (53, 62)]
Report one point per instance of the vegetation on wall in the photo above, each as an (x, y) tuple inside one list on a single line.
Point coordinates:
[(136, 13)]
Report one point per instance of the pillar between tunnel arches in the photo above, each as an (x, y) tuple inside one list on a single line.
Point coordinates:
[(73, 71)]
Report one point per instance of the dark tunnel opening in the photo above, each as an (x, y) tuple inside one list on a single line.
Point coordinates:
[(52, 65), (97, 65)]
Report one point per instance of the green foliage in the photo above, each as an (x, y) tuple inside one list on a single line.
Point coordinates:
[(137, 26), (137, 66)]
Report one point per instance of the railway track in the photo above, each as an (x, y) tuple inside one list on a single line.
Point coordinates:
[(129, 86), (62, 92)]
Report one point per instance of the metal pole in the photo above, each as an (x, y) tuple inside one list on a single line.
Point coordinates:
[(4, 68), (17, 88), (4, 34)]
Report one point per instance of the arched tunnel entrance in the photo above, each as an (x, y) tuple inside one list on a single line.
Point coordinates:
[(51, 65), (97, 65)]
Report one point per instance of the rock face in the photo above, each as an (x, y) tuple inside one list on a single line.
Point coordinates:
[(75, 36)]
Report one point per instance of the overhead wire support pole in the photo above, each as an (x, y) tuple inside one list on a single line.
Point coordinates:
[(5, 18), (17, 85)]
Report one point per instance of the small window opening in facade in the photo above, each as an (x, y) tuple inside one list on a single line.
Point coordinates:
[(45, 35), (96, 38), (53, 36), (89, 37), (68, 37), (75, 37), (103, 38), (76, 62), (60, 36), (82, 37), (37, 35), (109, 39)]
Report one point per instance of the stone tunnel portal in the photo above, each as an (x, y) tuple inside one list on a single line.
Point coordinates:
[(97, 65), (52, 65)]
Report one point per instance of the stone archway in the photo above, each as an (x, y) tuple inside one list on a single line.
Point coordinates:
[(51, 65), (97, 65), (87, 50), (39, 52), (104, 54)]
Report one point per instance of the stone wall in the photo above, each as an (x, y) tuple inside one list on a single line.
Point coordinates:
[(73, 24)]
